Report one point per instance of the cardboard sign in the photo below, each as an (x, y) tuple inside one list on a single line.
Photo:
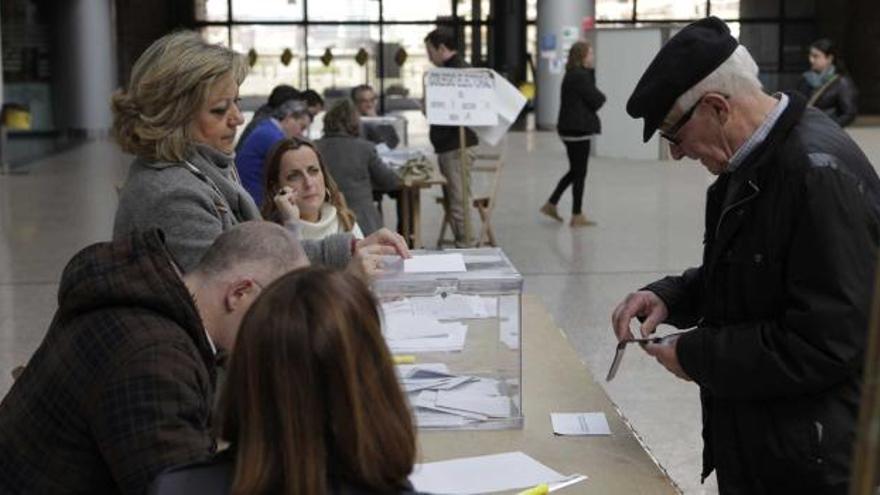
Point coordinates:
[(460, 97)]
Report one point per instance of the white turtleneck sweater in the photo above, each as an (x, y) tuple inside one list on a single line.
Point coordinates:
[(327, 224)]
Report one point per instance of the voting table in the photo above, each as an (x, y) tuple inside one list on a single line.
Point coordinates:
[(555, 380)]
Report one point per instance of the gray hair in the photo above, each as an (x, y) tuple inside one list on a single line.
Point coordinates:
[(736, 76), (259, 246), (294, 108)]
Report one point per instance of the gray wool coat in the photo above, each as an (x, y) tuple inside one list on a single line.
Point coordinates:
[(193, 202), (357, 169)]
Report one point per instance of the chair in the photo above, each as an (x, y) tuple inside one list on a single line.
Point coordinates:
[(490, 164)]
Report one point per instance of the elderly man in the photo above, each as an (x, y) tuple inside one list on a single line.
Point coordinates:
[(122, 386), (780, 302)]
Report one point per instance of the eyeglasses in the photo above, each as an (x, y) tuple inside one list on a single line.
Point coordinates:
[(671, 135)]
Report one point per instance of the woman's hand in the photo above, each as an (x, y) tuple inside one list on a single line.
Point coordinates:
[(285, 201)]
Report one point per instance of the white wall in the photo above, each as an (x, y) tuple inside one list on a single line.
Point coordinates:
[(622, 55)]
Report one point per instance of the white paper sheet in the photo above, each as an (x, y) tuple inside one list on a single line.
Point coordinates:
[(493, 407), (580, 423), (435, 263), (483, 474), (453, 341), (508, 103)]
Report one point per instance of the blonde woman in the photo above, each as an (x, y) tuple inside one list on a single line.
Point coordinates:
[(300, 193), (179, 116)]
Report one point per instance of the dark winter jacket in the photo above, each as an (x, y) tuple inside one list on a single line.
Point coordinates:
[(838, 101), (121, 387), (358, 171), (579, 103), (445, 137), (781, 302)]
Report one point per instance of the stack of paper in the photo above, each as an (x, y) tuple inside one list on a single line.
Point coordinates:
[(409, 334), (440, 398), (485, 474), (449, 307)]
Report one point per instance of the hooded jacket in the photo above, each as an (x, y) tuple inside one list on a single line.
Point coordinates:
[(121, 387)]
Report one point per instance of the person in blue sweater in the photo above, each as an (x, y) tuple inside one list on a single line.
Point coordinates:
[(290, 119)]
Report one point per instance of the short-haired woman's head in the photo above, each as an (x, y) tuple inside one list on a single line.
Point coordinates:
[(182, 90), (296, 163), (579, 55), (342, 118), (312, 392)]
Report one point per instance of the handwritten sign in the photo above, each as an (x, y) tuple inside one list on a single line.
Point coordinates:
[(460, 97)]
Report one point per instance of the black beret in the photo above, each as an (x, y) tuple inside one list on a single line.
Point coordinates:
[(691, 55)]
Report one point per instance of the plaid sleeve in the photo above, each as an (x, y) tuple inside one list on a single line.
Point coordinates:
[(152, 413)]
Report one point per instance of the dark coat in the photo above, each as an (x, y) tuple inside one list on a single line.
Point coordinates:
[(214, 477), (445, 137), (838, 101), (357, 169), (580, 100), (781, 302), (121, 387)]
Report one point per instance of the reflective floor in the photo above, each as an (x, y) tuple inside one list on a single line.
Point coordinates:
[(649, 224)]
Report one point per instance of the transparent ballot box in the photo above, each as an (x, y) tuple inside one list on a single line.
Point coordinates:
[(452, 320)]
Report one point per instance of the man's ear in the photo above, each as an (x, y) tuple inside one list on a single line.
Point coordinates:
[(239, 292), (719, 104)]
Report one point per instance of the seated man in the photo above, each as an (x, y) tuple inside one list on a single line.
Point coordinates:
[(122, 386), (364, 99), (280, 94)]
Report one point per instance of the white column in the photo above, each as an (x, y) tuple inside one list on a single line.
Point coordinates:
[(559, 25), (85, 65)]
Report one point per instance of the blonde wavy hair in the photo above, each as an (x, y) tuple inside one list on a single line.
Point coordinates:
[(168, 86)]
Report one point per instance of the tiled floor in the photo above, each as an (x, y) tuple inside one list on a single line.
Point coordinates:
[(649, 215)]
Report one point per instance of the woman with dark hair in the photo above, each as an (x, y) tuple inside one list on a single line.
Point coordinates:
[(826, 85), (311, 403), (577, 122), (354, 163), (299, 192)]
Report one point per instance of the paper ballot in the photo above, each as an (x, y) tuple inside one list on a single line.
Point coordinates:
[(580, 423), (483, 474), (435, 263)]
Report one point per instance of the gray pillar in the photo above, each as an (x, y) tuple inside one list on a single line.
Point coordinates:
[(559, 25), (85, 68)]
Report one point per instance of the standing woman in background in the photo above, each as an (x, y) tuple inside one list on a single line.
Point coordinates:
[(577, 123), (826, 86)]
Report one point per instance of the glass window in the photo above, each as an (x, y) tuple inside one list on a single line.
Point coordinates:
[(762, 40), (753, 9), (800, 8), (267, 10), (421, 10), (343, 72), (614, 10), (211, 10), (796, 45), (465, 10), (725, 9), (409, 75), (216, 35), (270, 42), (344, 10), (669, 9)]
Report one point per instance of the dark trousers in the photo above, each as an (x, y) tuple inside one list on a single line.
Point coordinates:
[(578, 154)]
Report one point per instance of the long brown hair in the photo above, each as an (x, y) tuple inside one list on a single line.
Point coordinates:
[(272, 170), (312, 395), (576, 54)]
